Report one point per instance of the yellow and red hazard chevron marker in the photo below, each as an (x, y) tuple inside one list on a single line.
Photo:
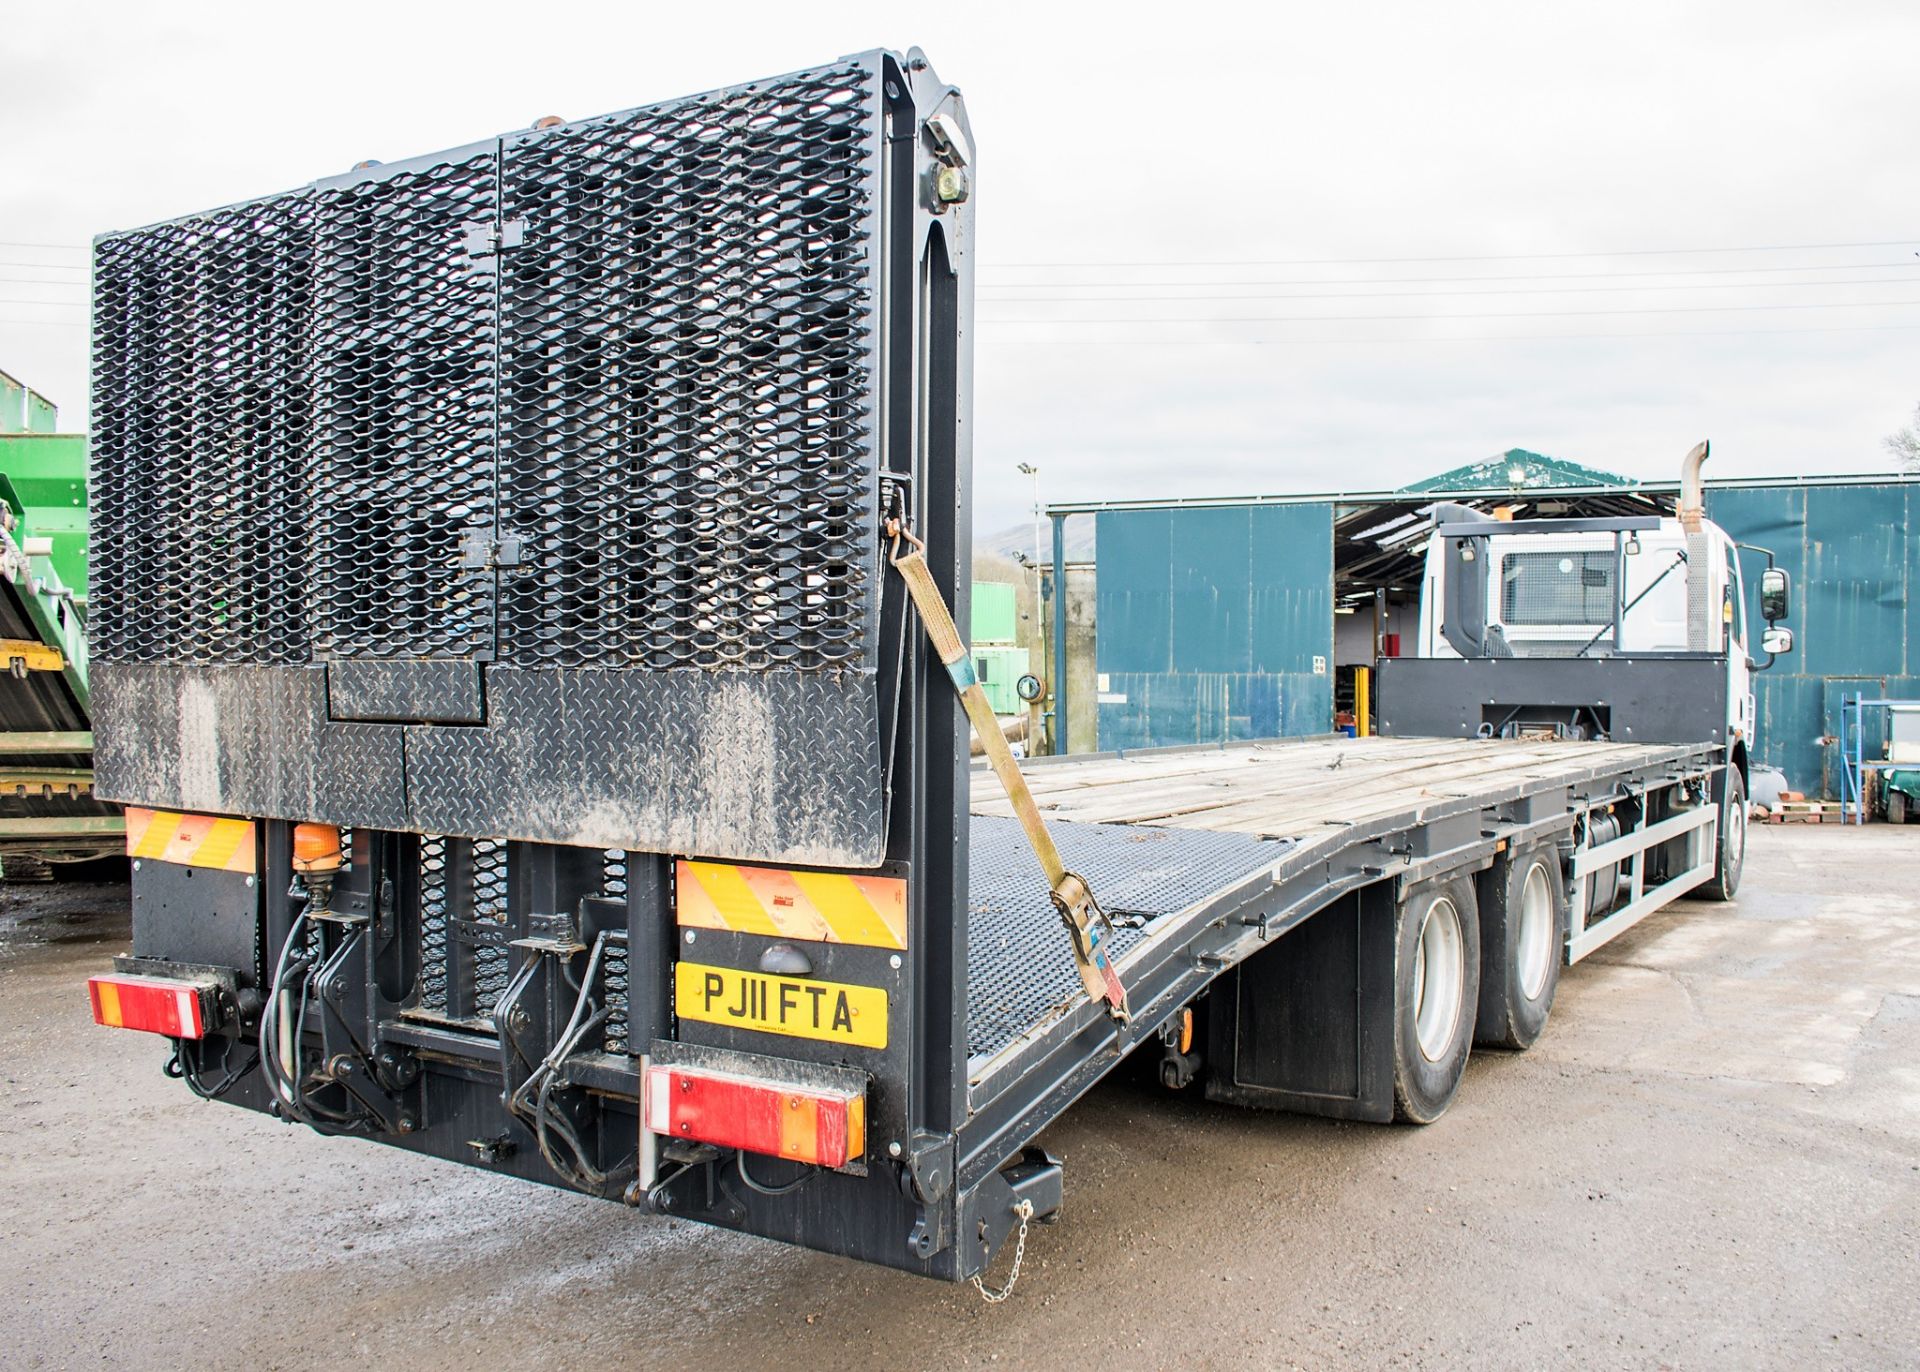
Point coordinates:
[(829, 907), (226, 845)]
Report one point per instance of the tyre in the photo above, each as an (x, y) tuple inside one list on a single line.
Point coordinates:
[(1436, 994), (1731, 854), (1523, 939)]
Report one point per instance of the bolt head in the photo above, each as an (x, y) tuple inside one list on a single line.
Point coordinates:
[(950, 184), (893, 1149), (894, 962)]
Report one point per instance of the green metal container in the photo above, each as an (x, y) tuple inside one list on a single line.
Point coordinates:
[(1000, 670), (996, 617)]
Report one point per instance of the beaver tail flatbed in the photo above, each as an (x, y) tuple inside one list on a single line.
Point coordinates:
[(539, 763)]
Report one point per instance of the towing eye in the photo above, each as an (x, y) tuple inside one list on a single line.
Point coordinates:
[(1089, 926)]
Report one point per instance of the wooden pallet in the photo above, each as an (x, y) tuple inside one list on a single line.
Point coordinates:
[(1808, 812)]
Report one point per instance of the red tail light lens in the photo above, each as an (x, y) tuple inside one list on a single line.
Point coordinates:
[(157, 1005), (781, 1120)]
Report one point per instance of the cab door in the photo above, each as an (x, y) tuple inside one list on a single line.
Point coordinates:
[(1733, 619)]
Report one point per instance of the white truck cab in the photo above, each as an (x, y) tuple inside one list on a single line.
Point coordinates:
[(1602, 594), (1629, 629)]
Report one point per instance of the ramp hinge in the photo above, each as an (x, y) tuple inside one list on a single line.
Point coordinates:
[(485, 548), (483, 239)]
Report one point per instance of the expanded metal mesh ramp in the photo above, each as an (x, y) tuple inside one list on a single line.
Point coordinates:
[(526, 490), (1019, 965)]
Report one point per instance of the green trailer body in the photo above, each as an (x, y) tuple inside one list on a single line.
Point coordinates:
[(47, 809), (43, 480)]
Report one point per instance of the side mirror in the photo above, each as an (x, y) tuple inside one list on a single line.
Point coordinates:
[(1776, 596), (1774, 641)]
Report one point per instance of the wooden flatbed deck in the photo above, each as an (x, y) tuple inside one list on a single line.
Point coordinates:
[(1306, 789)]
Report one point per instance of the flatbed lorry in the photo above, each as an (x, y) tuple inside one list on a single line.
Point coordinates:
[(538, 757)]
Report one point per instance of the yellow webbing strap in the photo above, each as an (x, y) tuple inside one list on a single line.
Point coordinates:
[(1092, 931)]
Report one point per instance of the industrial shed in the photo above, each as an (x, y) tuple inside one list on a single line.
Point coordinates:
[(1224, 619)]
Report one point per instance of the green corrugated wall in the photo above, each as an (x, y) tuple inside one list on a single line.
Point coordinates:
[(1209, 619), (1209, 623), (1854, 558)]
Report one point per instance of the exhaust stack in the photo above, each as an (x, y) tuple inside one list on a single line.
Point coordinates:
[(1693, 513), (1693, 493)]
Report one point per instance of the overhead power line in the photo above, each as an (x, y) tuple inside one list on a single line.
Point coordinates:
[(1437, 280), (1421, 295), (1441, 318), (1470, 257), (1326, 339)]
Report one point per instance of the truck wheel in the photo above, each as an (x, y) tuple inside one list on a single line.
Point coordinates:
[(1732, 854), (1523, 936), (1437, 991)]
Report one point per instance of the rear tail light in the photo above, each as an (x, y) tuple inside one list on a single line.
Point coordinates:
[(780, 1119), (158, 1005)]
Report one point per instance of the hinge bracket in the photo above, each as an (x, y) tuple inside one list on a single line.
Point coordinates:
[(484, 239), (484, 548)]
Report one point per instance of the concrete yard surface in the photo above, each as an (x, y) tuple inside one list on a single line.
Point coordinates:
[(1711, 1160)]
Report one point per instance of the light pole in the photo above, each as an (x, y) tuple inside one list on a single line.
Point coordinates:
[(1037, 713), (1028, 469)]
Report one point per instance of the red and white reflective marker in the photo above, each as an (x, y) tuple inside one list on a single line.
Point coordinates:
[(779, 1119), (157, 1005)]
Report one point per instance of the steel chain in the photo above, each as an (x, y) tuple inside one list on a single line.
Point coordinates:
[(1025, 1211)]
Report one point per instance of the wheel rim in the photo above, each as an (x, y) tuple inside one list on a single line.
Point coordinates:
[(1534, 954), (1735, 845), (1439, 973)]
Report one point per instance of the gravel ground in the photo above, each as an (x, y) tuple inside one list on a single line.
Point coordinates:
[(1711, 1160)]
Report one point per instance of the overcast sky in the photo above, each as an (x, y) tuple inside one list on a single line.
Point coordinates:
[(1381, 195)]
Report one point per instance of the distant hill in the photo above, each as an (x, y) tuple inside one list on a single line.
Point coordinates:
[(1016, 541)]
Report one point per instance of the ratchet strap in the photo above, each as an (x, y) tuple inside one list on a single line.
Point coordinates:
[(1091, 930)]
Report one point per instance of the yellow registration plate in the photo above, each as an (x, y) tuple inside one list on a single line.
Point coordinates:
[(799, 1007)]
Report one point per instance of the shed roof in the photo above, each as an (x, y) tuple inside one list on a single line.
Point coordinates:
[(1519, 470)]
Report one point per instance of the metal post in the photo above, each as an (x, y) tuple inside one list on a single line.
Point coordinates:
[(1859, 754), (1059, 633), (1619, 590)]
